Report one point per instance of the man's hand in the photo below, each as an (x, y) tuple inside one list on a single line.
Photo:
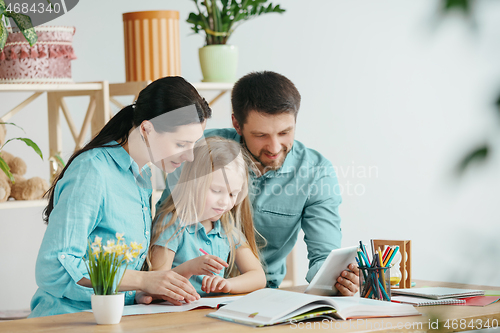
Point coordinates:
[(348, 282)]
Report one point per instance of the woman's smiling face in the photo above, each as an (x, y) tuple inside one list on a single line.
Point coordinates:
[(168, 150)]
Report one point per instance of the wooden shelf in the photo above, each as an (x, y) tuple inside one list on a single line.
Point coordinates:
[(212, 85), (48, 87), (10, 204)]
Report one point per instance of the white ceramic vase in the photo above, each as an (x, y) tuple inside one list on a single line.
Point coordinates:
[(108, 309)]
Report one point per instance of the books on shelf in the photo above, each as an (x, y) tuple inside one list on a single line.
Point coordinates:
[(438, 292), (273, 306)]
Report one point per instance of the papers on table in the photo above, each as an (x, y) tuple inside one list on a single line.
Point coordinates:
[(210, 302)]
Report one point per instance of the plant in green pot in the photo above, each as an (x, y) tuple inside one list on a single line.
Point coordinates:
[(218, 19)]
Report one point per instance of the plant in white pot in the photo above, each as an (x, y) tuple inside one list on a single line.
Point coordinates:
[(218, 20), (104, 264)]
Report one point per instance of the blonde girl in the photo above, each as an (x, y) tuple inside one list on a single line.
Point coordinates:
[(209, 211)]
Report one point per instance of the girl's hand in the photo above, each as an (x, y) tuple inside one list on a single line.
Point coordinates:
[(215, 283), (168, 285), (205, 265)]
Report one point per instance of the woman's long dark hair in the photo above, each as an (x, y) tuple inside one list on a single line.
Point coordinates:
[(159, 97)]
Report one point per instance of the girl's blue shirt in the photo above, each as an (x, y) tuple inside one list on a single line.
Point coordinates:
[(187, 241), (101, 193)]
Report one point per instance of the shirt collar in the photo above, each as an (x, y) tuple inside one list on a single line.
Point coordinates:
[(217, 229), (119, 154), (126, 162)]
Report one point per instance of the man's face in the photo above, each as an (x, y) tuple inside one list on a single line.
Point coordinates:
[(268, 138)]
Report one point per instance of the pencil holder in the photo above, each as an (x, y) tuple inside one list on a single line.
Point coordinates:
[(375, 283)]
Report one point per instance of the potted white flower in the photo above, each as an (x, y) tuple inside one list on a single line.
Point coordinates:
[(104, 264), (218, 20)]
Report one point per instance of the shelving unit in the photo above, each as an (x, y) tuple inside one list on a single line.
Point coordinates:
[(12, 204), (97, 115)]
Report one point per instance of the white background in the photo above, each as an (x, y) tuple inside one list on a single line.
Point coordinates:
[(392, 93)]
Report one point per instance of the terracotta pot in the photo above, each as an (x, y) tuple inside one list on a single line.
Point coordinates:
[(152, 45)]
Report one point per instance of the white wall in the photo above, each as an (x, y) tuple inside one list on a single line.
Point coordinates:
[(396, 94)]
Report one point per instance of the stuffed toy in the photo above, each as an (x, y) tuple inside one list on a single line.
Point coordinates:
[(22, 189)]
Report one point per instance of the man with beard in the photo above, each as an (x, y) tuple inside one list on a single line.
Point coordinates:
[(294, 187)]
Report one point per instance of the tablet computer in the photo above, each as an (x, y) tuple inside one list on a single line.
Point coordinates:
[(337, 261)]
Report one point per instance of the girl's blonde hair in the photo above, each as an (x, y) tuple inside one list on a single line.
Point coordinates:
[(187, 200)]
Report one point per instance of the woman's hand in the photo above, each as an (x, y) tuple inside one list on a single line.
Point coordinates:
[(167, 285), (348, 282), (215, 283), (202, 265)]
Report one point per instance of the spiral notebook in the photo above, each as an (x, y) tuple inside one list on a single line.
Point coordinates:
[(438, 292), (419, 301)]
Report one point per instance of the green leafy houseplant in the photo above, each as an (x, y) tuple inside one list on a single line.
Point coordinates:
[(22, 21), (3, 165), (103, 263), (221, 18)]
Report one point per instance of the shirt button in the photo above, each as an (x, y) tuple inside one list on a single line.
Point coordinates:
[(147, 232), (130, 293), (63, 256), (144, 208), (208, 242)]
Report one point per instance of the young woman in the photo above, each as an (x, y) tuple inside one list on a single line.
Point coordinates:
[(105, 189), (206, 223)]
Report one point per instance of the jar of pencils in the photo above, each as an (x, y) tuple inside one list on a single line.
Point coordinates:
[(375, 282)]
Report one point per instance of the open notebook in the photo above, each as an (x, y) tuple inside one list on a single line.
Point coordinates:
[(273, 306), (437, 292)]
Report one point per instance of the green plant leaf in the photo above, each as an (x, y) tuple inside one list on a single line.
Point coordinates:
[(2, 8), (3, 34), (28, 142), (463, 5), (6, 169), (59, 158), (13, 125), (24, 24), (477, 155)]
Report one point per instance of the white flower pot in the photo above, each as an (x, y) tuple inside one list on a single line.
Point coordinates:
[(108, 309)]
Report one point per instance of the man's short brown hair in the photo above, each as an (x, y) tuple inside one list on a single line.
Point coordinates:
[(266, 92)]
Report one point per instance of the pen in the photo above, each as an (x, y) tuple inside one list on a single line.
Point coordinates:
[(203, 251)]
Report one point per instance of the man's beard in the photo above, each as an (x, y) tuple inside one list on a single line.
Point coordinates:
[(274, 165)]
